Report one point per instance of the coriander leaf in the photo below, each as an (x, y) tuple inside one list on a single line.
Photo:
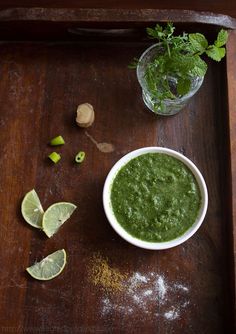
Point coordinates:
[(198, 42), (157, 32), (221, 38), (169, 30), (151, 32), (183, 86), (160, 33), (215, 53), (177, 62)]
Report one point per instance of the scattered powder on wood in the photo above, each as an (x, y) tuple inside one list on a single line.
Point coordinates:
[(152, 293), (161, 288), (172, 314), (103, 275)]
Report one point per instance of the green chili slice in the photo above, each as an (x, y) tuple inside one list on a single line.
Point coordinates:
[(55, 157), (57, 141), (80, 157)]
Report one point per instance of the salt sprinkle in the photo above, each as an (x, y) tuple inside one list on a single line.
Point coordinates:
[(147, 292), (136, 298), (181, 287), (107, 306), (161, 288), (139, 278), (171, 314), (152, 294)]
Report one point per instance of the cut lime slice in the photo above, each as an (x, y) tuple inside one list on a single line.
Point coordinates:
[(50, 267), (55, 216), (32, 210)]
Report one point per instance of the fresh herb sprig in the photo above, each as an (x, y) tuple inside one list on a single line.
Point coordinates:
[(179, 59)]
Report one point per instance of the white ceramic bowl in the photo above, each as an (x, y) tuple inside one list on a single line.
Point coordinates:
[(121, 231)]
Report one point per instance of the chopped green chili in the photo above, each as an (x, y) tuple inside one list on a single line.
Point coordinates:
[(80, 157), (55, 157), (57, 141)]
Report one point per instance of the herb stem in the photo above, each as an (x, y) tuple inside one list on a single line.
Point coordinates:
[(168, 49)]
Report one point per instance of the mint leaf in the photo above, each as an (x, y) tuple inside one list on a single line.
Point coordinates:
[(183, 86), (177, 57), (215, 53), (221, 38), (198, 42), (199, 67), (222, 52)]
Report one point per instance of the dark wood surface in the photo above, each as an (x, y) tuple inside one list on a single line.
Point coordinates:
[(94, 15), (225, 7), (231, 59), (73, 23), (40, 88)]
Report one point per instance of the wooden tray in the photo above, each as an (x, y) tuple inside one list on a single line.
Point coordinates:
[(187, 289)]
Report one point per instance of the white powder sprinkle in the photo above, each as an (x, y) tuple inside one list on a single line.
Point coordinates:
[(181, 287), (107, 306), (136, 298), (148, 293), (161, 288), (172, 314), (137, 277), (152, 293)]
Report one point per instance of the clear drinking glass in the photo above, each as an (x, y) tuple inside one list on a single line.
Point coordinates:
[(170, 107)]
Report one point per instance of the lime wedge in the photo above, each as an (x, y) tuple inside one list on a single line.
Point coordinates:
[(32, 210), (50, 267), (55, 216)]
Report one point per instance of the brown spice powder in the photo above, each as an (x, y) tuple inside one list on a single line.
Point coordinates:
[(101, 274)]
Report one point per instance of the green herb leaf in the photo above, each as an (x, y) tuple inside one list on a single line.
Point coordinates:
[(177, 62), (169, 30), (199, 67), (198, 42), (133, 63), (183, 86), (221, 38), (156, 32), (160, 33), (215, 53)]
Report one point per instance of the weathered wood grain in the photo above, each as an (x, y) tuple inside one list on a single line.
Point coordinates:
[(231, 61), (227, 7), (62, 23), (40, 88)]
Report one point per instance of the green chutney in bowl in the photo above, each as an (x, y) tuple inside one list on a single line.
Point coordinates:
[(155, 198)]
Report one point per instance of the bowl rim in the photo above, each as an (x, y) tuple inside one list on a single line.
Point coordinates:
[(121, 231)]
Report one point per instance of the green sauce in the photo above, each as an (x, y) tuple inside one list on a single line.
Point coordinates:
[(155, 197)]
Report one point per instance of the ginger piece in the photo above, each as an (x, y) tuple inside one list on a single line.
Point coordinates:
[(85, 115)]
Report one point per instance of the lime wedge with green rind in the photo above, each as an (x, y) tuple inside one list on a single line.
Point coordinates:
[(32, 210), (55, 216), (50, 267)]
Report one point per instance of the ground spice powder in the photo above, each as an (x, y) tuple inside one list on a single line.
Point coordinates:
[(101, 274)]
